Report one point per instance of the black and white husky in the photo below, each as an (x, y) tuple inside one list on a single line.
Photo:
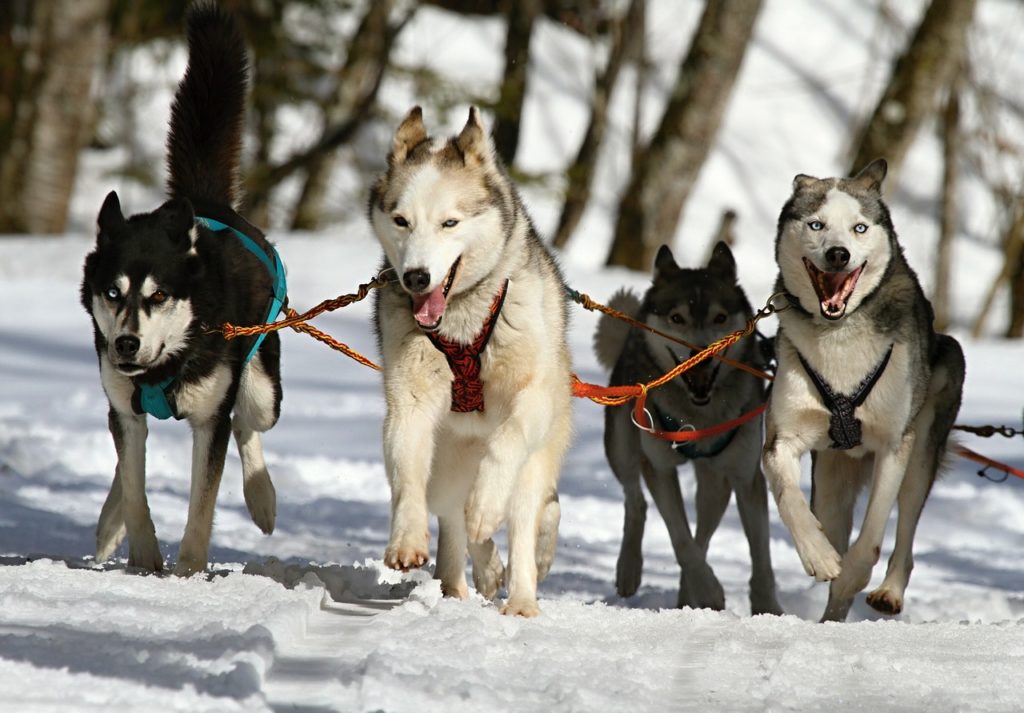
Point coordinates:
[(158, 284), (699, 306), (864, 383)]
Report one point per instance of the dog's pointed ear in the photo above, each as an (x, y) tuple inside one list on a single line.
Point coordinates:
[(664, 260), (802, 181), (722, 263), (871, 176), (179, 222), (410, 134), (473, 142), (110, 219)]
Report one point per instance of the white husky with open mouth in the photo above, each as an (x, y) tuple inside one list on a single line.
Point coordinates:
[(476, 367), (864, 383)]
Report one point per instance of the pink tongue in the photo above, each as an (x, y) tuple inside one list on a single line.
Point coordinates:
[(427, 309), (833, 282)]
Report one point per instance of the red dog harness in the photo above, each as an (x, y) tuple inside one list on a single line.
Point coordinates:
[(464, 360)]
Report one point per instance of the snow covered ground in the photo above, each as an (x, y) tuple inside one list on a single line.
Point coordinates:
[(308, 619)]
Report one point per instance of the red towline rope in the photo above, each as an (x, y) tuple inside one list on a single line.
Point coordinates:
[(695, 434), (988, 462)]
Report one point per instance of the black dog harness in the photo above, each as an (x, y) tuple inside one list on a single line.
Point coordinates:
[(844, 427)]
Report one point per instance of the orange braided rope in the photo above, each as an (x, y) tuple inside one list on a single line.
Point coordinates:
[(605, 395), (588, 303), (618, 395), (298, 322)]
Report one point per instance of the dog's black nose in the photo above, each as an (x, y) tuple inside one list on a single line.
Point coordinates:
[(126, 346), (837, 258), (416, 280)]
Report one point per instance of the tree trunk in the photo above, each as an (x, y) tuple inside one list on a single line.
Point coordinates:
[(521, 15), (947, 217), (1015, 272), (359, 98), (47, 107), (1012, 271), (651, 207), (926, 66), (626, 30), (358, 82)]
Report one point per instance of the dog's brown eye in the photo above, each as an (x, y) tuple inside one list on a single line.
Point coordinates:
[(401, 222), (158, 297), (720, 318), (677, 319)]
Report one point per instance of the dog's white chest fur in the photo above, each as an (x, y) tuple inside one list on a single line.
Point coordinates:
[(844, 357)]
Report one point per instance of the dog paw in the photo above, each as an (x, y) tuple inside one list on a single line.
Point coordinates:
[(488, 578), (261, 500), (457, 590), (188, 565), (406, 553), (145, 556), (819, 558), (699, 588), (521, 607), (885, 601), (764, 603), (482, 522), (628, 575), (108, 539)]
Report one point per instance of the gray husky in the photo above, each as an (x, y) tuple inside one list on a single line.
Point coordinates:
[(476, 364), (699, 306), (863, 382)]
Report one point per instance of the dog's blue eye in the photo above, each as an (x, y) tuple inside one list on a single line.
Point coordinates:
[(860, 228), (112, 293), (815, 225), (401, 222), (450, 223)]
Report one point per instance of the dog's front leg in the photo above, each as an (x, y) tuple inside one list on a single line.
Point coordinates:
[(890, 466), (209, 448), (129, 432), (781, 463), (408, 452), (508, 448)]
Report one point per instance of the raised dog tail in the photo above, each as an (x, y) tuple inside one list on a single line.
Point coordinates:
[(610, 337), (205, 139)]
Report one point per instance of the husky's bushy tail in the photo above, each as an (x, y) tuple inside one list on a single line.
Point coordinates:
[(205, 139), (610, 337)]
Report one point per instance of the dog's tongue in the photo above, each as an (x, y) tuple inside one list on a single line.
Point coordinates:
[(832, 284), (427, 309)]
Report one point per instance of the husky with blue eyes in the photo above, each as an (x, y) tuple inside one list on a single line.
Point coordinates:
[(864, 384), (156, 286)]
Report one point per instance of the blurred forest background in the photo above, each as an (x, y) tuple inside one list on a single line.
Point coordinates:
[(67, 85)]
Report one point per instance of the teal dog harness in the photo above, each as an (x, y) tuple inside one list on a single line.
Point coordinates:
[(158, 399)]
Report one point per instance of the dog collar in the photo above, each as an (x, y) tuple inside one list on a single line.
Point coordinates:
[(844, 427), (464, 360), (157, 400)]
